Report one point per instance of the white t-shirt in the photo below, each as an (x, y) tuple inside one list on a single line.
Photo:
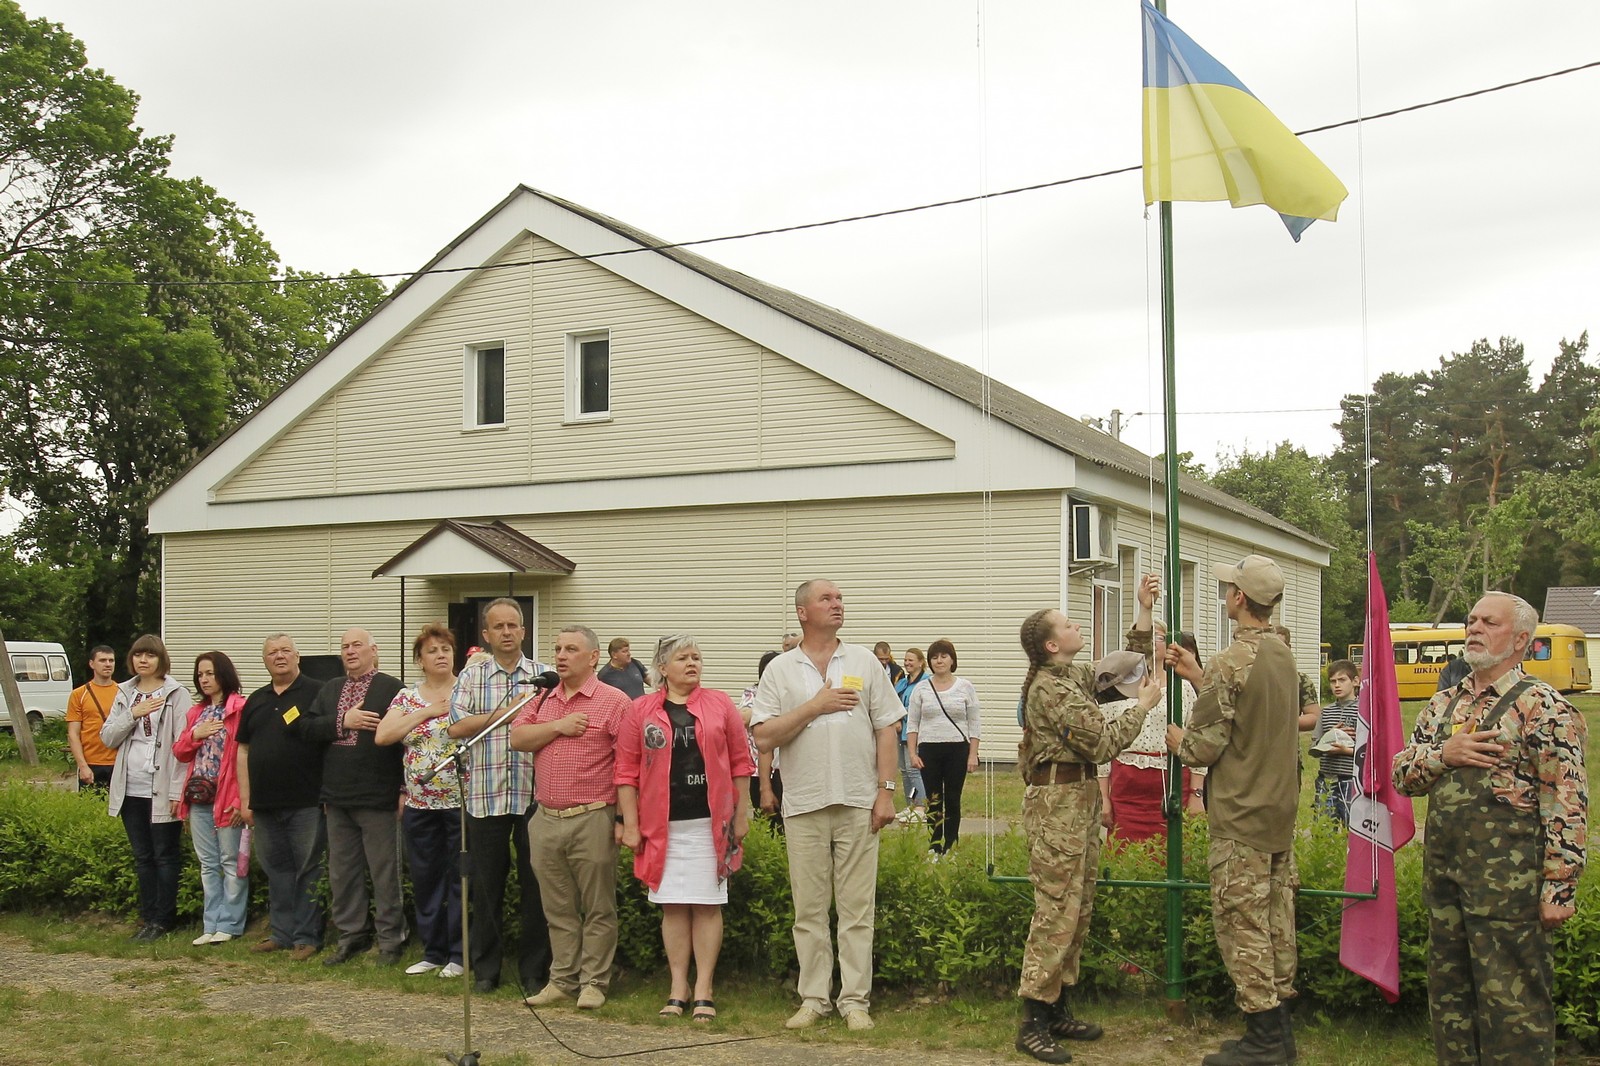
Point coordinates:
[(834, 759)]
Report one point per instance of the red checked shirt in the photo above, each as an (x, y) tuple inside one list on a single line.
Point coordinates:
[(572, 771)]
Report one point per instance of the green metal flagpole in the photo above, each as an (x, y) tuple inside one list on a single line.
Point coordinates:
[(1176, 1007)]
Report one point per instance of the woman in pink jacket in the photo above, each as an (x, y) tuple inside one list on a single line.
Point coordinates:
[(683, 777), (208, 744)]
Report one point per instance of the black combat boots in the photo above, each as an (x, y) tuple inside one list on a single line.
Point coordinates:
[(1033, 1035), (1262, 1045), (1064, 1026)]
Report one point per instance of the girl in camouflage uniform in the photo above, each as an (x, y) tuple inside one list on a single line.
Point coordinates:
[(1064, 736)]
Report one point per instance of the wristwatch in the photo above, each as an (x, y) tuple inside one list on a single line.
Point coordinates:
[(887, 786)]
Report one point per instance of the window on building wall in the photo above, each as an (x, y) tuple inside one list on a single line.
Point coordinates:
[(589, 375), (485, 390), (1107, 636)]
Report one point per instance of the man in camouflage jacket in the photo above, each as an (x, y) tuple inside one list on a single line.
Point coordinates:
[(1500, 757), (1245, 728)]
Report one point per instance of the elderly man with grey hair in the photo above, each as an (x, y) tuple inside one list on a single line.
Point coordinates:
[(361, 787), (1500, 757), (575, 832), (280, 793)]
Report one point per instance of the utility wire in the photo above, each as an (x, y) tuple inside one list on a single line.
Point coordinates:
[(799, 227)]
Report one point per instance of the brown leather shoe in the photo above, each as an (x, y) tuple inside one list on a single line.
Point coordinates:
[(265, 946), (304, 952)]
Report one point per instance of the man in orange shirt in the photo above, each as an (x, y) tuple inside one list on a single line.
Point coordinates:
[(87, 708)]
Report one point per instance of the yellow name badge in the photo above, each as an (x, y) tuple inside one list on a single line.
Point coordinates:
[(290, 715), (851, 682)]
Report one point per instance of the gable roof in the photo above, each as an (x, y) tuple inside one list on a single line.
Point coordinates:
[(1573, 605), (1017, 409), (1004, 402)]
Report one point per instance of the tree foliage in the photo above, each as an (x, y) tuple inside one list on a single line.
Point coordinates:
[(1480, 479), (1304, 491), (138, 321)]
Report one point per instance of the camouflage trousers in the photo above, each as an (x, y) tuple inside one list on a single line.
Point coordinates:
[(1489, 958), (1062, 824), (1252, 911)]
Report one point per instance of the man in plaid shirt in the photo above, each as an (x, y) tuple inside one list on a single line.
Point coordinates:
[(576, 830), (499, 801)]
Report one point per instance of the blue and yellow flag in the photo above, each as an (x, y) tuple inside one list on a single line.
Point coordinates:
[(1207, 137)]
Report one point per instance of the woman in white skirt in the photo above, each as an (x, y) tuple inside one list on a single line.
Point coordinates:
[(683, 776)]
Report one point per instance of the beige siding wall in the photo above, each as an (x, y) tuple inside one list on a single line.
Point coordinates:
[(919, 569), (686, 396), (925, 568)]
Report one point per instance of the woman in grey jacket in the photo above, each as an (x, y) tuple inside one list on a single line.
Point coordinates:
[(147, 781)]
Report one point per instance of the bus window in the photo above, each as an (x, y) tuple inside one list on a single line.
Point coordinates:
[(1539, 650), (1433, 652), (1405, 654)]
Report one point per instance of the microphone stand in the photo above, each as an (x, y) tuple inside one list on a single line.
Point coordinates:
[(457, 758)]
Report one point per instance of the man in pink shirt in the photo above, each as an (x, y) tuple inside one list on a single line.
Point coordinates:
[(575, 832)]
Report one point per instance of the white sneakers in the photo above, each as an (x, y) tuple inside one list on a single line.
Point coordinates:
[(421, 967), (858, 1020), (211, 938), (451, 969)]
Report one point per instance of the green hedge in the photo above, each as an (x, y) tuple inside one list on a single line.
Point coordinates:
[(943, 926)]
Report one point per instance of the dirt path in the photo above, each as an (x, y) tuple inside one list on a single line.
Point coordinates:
[(502, 1025)]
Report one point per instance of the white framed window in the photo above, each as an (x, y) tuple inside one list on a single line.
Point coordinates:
[(589, 376), (484, 386), (1107, 616)]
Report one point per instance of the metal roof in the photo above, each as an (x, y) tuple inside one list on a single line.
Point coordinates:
[(521, 554), (1573, 605)]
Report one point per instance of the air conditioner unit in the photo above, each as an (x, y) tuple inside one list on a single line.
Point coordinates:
[(1094, 534)]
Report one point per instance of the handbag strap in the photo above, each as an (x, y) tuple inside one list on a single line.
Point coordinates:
[(952, 721)]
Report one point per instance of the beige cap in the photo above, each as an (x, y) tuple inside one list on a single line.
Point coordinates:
[(1256, 576), (1121, 670)]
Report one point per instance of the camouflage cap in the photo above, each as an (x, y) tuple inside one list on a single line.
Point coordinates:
[(1256, 576)]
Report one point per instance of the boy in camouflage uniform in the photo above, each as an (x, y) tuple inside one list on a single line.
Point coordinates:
[(1245, 728), (1064, 736), (1500, 757)]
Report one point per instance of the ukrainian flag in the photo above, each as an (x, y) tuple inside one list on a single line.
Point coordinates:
[(1207, 137)]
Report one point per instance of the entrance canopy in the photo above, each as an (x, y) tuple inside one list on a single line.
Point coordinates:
[(454, 548)]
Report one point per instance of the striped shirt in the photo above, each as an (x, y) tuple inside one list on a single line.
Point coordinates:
[(499, 780)]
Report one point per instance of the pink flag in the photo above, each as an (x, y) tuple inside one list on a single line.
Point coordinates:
[(1381, 820)]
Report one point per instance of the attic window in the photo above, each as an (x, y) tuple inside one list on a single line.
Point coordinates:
[(589, 376), (485, 386)]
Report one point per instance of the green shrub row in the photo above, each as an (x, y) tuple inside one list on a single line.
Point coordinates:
[(945, 926)]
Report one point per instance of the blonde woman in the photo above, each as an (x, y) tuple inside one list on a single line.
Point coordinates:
[(683, 775)]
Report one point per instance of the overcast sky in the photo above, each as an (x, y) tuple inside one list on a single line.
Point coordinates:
[(367, 134)]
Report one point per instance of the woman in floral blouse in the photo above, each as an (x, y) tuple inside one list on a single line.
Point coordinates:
[(209, 743), (431, 822)]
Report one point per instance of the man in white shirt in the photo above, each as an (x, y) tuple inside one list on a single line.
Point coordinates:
[(830, 707)]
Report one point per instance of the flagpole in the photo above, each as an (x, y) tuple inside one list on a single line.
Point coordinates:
[(1176, 1008)]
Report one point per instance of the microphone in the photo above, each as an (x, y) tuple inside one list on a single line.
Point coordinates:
[(548, 679)]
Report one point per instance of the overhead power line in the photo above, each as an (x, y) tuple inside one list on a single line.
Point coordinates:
[(801, 226)]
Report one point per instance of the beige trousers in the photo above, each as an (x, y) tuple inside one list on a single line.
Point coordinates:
[(833, 857), (575, 860)]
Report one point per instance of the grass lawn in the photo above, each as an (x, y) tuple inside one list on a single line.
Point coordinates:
[(225, 1005)]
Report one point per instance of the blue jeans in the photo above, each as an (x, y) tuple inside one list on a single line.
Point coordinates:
[(289, 845), (916, 794), (157, 860), (1333, 796), (227, 895)]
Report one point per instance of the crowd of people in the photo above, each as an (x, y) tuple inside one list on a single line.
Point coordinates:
[(597, 757)]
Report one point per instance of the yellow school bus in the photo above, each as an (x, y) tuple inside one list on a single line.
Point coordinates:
[(1555, 655)]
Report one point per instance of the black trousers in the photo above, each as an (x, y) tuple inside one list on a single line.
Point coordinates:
[(490, 842), (944, 775)]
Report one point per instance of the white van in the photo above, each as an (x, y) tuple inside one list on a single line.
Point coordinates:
[(44, 677)]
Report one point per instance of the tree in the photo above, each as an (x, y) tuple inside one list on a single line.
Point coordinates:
[(1304, 491), (139, 318)]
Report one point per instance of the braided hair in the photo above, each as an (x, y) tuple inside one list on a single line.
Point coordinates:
[(1035, 631)]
